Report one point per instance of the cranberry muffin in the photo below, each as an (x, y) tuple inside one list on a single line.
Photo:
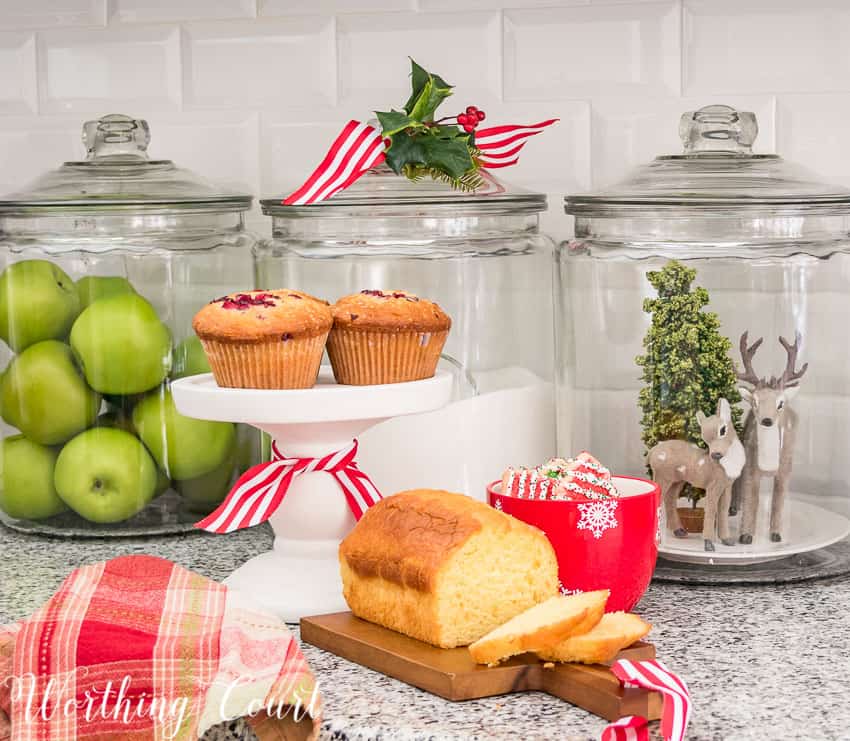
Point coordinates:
[(386, 337), (264, 339)]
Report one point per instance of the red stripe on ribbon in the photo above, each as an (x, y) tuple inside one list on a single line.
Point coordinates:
[(499, 142), (260, 490), (652, 675), (358, 148)]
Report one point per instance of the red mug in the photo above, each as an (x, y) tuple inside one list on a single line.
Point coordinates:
[(600, 543)]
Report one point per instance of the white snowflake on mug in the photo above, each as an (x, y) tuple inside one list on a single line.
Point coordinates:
[(568, 592), (598, 516), (498, 505)]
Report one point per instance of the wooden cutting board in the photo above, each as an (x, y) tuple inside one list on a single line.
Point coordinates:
[(451, 673)]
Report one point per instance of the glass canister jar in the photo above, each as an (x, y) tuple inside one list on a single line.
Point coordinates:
[(701, 338), (482, 258), (103, 263)]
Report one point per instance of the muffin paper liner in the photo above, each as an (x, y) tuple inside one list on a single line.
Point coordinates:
[(363, 357), (277, 364)]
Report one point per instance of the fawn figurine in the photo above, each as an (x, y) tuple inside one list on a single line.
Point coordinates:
[(769, 434), (675, 463)]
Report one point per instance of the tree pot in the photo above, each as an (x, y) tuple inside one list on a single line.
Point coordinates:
[(692, 518)]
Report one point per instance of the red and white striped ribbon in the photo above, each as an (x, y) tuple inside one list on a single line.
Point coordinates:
[(628, 728), (675, 712), (261, 489), (357, 149), (500, 145)]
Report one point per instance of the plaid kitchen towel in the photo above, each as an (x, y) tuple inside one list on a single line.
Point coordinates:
[(140, 648)]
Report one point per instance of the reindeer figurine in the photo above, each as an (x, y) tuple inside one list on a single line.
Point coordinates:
[(769, 435), (677, 462)]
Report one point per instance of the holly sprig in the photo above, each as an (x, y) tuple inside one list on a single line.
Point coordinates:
[(420, 146)]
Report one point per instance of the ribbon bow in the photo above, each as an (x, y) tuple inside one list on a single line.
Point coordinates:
[(675, 712), (261, 489), (360, 147)]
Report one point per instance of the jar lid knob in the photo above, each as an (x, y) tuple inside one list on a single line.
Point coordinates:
[(718, 128), (116, 135)]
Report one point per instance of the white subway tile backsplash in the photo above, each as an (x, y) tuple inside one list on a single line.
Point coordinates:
[(585, 51), (427, 5), (95, 70), (289, 152), (51, 13), (629, 131), (464, 48), (30, 146), (287, 7), (223, 146), (18, 84), (811, 131), (150, 11), (775, 45), (251, 63)]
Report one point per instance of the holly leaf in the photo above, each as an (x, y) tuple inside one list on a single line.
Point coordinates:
[(405, 150), (418, 79), (449, 155), (428, 92), (394, 121)]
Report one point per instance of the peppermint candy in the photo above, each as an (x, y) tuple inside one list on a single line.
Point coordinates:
[(582, 477)]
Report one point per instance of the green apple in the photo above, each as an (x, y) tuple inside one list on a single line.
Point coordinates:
[(26, 480), (183, 447), (105, 475), (204, 493), (189, 359), (44, 396), (95, 287), (122, 345), (38, 301)]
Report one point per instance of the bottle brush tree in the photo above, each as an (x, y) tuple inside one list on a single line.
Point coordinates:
[(686, 367)]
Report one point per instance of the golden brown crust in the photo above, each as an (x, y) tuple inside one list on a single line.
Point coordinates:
[(260, 316), (407, 537), (389, 311)]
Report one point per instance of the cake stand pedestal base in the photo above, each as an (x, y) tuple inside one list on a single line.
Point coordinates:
[(300, 575)]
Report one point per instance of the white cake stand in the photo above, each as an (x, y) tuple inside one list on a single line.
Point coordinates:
[(300, 575)]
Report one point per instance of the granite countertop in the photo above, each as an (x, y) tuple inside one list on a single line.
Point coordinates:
[(761, 662)]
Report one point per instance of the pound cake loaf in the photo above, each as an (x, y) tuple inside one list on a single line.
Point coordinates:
[(264, 339), (443, 567), (386, 337)]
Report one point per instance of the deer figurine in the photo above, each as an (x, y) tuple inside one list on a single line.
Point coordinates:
[(769, 435), (677, 462)]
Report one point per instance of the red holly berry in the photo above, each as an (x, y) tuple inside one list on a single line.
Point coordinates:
[(463, 119), (469, 128), (471, 110), (480, 115)]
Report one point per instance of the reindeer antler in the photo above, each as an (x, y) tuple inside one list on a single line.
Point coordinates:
[(790, 377), (749, 375)]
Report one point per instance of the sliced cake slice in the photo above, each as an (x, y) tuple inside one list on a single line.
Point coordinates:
[(614, 632), (541, 627)]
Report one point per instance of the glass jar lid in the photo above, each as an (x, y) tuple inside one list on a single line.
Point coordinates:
[(118, 174), (716, 172), (381, 187)]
